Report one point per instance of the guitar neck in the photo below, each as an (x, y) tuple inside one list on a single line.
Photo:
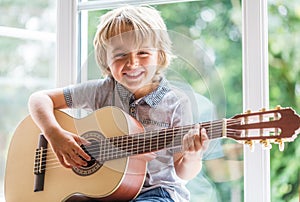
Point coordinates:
[(150, 141)]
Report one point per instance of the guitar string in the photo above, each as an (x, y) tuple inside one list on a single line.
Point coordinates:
[(133, 143), (179, 128), (53, 165), (50, 164), (233, 121), (166, 133)]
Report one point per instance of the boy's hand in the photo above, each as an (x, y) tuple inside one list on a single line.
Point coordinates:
[(195, 141), (66, 147), (145, 157)]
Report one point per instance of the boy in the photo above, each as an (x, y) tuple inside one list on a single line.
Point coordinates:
[(132, 47)]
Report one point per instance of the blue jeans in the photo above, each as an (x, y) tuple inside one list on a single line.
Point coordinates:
[(154, 195)]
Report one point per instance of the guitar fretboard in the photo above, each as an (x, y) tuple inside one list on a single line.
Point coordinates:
[(128, 145)]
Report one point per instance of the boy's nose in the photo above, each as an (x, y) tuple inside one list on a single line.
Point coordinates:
[(132, 60)]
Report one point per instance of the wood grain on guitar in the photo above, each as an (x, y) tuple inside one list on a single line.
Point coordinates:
[(34, 174)]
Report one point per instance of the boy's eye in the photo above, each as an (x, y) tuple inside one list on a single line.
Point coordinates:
[(122, 55), (143, 53), (119, 55)]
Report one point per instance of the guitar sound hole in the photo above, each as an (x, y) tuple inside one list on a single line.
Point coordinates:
[(93, 150)]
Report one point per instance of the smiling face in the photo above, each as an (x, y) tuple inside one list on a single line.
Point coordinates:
[(146, 22), (132, 63)]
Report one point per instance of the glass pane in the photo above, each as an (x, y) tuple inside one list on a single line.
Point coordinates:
[(25, 65), (284, 68), (206, 39), (37, 15), (23, 73)]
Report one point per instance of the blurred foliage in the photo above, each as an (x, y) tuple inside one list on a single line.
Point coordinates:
[(284, 67), (216, 27)]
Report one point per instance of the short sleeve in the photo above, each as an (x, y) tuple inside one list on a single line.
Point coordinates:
[(68, 97), (90, 95)]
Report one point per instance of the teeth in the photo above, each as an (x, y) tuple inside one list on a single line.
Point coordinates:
[(133, 73)]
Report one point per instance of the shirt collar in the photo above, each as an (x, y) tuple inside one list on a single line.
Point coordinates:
[(152, 99)]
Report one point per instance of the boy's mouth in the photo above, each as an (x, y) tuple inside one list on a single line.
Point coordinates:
[(133, 74)]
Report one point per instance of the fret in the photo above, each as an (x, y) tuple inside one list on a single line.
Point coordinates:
[(165, 139), (128, 148), (150, 141), (100, 151), (105, 150), (144, 144), (132, 145), (117, 147), (157, 141), (106, 153), (173, 136), (122, 147), (142, 140), (138, 144), (111, 148), (108, 149), (181, 136), (126, 144)]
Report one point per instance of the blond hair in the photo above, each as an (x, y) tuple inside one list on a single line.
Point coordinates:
[(148, 23)]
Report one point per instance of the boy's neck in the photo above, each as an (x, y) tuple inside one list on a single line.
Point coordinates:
[(145, 90)]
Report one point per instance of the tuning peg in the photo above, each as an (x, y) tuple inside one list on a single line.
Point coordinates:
[(280, 144), (263, 109), (266, 144), (250, 144)]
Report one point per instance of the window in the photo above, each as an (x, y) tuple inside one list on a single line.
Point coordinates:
[(284, 53), (27, 61)]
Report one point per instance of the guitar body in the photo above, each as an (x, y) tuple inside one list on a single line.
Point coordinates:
[(114, 180)]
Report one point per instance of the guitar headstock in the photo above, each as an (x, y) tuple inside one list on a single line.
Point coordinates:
[(266, 126)]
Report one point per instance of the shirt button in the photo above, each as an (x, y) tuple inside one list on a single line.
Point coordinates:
[(132, 110)]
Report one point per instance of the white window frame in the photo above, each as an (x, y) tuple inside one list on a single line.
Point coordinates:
[(256, 95), (66, 48), (255, 73)]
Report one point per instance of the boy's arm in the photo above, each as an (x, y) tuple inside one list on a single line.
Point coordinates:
[(66, 145), (41, 105)]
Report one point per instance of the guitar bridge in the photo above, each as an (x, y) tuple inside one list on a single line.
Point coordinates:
[(40, 164)]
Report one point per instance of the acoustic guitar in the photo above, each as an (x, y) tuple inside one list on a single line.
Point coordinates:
[(34, 174)]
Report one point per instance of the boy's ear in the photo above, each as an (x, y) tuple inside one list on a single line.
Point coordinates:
[(162, 58)]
